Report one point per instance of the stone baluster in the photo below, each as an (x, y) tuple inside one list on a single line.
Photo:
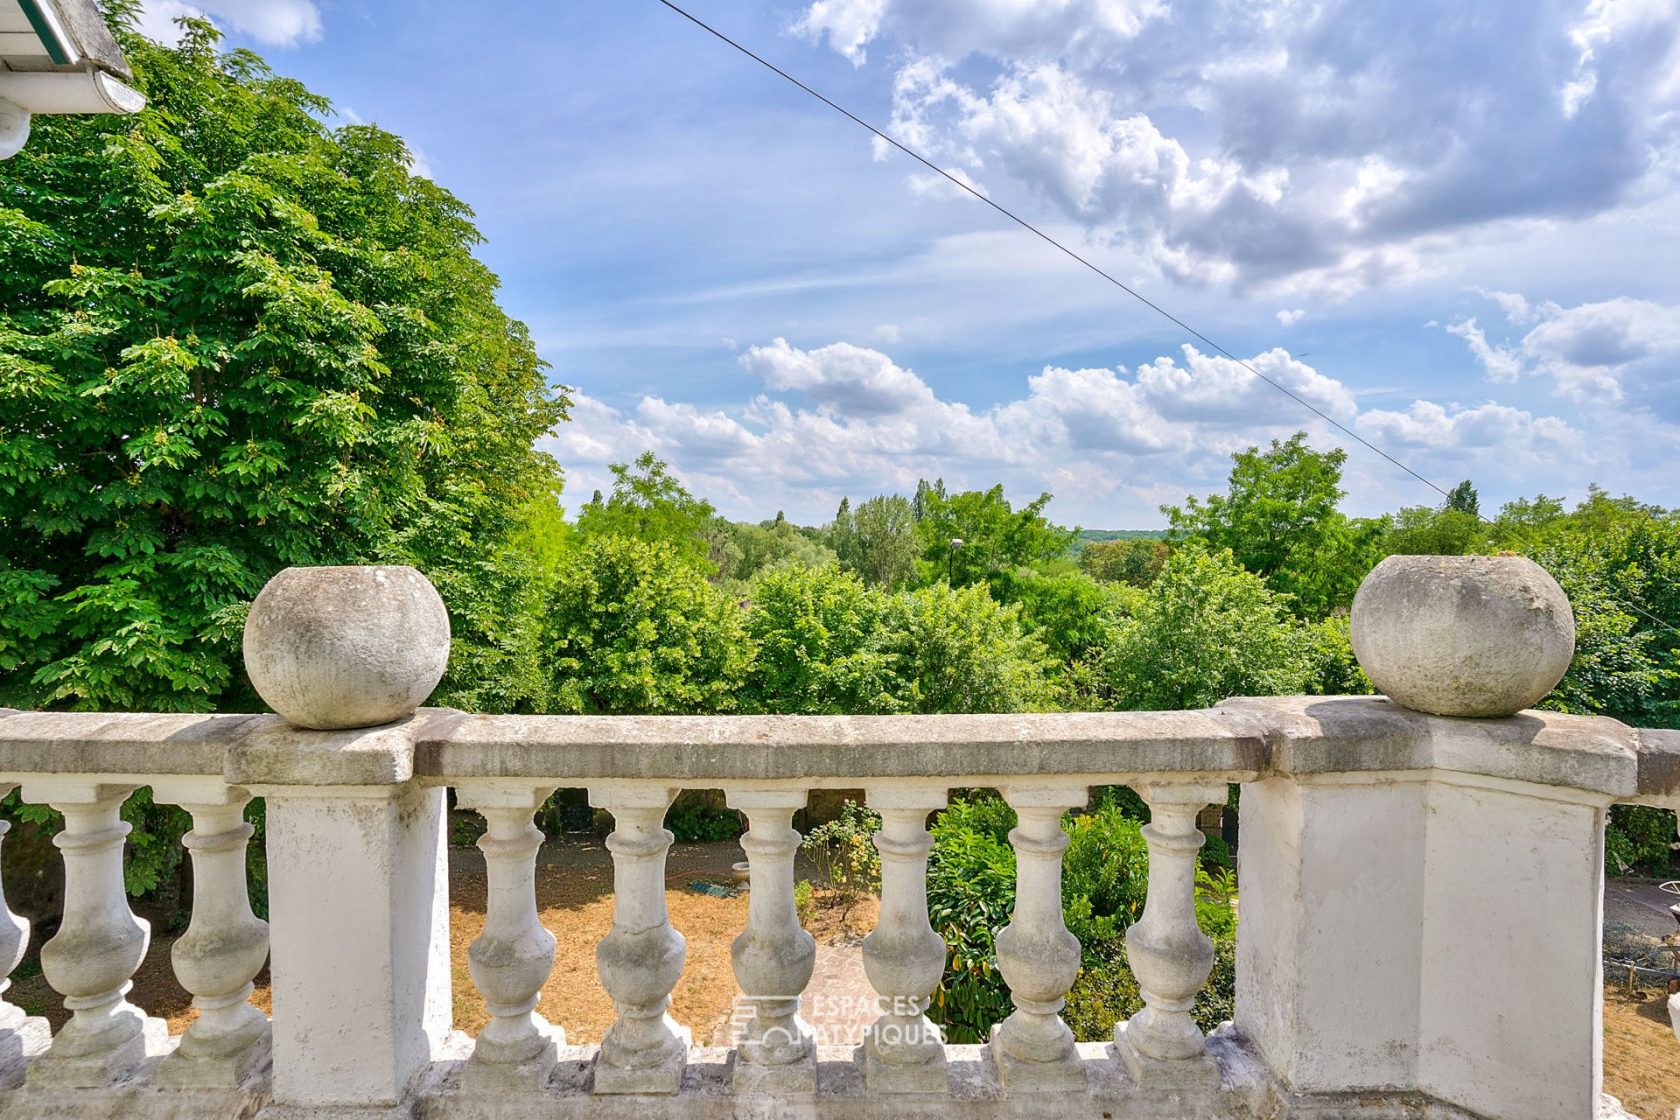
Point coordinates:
[(511, 960), (1169, 954), (99, 944), (225, 944), (903, 1051), (641, 958), (1034, 1049), (773, 956), (21, 1035)]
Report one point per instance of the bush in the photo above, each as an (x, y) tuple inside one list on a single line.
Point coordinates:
[(843, 852), (693, 820), (804, 899)]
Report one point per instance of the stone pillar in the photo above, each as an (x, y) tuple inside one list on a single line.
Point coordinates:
[(773, 956), (1171, 957), (225, 944), (98, 947), (641, 958), (21, 1035), (358, 875), (903, 1052), (1033, 1049), (512, 958)]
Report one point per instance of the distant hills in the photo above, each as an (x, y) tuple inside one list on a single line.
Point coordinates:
[(1087, 535)]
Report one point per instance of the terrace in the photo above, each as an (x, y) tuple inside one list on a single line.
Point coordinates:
[(1420, 900)]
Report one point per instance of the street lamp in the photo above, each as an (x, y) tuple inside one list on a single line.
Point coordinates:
[(951, 560)]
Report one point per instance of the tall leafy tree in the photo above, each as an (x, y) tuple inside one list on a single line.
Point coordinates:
[(233, 338), (651, 504), (1279, 519), (995, 538), (877, 540)]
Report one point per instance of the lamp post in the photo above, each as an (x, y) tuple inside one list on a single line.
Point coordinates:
[(951, 560)]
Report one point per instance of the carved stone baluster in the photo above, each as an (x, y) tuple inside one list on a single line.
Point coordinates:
[(773, 956), (1033, 1049), (903, 1051), (1169, 954), (511, 960), (641, 959), (21, 1035), (99, 945), (225, 944)]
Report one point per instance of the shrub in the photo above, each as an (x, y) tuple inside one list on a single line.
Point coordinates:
[(803, 899), (843, 852)]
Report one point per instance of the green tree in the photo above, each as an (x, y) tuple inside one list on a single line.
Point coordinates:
[(1136, 561), (233, 339), (651, 504), (996, 539), (1279, 520), (634, 627), (1464, 499), (742, 550), (1207, 630), (877, 540), (958, 650), (1430, 531), (817, 637)]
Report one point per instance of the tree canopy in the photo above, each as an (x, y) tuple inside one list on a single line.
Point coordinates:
[(232, 339)]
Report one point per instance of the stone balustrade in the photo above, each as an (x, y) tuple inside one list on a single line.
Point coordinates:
[(1419, 933)]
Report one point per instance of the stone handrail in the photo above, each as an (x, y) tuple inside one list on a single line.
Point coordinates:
[(1419, 896)]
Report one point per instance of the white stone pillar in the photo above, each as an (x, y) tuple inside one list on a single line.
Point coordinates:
[(641, 958), (1033, 1049), (358, 897), (1171, 957), (99, 945), (358, 884), (225, 944), (903, 1052), (774, 955), (21, 1035), (511, 960)]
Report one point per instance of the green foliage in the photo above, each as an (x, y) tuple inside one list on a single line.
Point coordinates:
[(1208, 630), (1134, 561), (634, 627), (804, 899), (817, 632), (877, 540), (224, 328), (843, 852), (649, 504), (1068, 612), (694, 821), (1279, 520), (959, 650), (742, 550), (971, 892), (996, 539), (1639, 838)]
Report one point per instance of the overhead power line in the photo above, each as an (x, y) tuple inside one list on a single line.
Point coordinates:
[(1134, 293)]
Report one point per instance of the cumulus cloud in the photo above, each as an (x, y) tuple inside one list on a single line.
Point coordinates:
[(1591, 351), (846, 419), (1288, 318), (278, 23), (1328, 146)]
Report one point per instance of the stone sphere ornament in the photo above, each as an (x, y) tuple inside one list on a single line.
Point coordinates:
[(346, 646), (1463, 635)]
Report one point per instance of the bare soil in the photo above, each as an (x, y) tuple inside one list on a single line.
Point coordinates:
[(1641, 1054)]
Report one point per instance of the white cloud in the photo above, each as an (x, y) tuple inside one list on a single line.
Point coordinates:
[(1288, 318), (1501, 362), (1590, 350), (1321, 147), (278, 23), (844, 419)]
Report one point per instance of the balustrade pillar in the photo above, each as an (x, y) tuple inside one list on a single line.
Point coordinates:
[(512, 959), (21, 1035), (773, 956), (1169, 954), (225, 944), (904, 958), (99, 945), (641, 959), (1033, 1049)]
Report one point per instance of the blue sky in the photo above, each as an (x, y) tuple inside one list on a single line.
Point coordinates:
[(1455, 228)]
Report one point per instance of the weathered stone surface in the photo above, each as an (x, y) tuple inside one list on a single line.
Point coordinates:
[(1463, 635), (344, 647)]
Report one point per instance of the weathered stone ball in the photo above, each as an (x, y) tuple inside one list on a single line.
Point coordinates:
[(346, 647), (1463, 635)]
